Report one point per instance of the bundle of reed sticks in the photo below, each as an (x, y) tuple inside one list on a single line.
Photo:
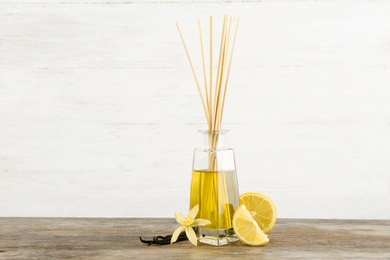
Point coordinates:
[(214, 95)]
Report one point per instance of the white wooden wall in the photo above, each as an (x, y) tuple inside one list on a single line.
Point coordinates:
[(99, 111)]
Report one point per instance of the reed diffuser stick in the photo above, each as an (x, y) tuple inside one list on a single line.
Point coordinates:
[(204, 69), (210, 101), (229, 66), (218, 80), (193, 71)]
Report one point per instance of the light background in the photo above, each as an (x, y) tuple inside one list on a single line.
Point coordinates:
[(99, 111)]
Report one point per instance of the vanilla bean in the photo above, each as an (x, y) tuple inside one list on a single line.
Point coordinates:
[(161, 240)]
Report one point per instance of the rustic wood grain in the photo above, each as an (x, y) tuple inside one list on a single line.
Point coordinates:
[(115, 238)]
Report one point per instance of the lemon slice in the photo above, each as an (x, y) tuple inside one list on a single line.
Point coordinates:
[(261, 208), (247, 229)]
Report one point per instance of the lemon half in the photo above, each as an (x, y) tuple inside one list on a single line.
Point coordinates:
[(261, 208)]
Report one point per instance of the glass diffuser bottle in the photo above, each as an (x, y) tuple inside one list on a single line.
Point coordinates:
[(214, 187)]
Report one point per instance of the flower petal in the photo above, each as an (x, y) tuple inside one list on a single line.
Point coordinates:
[(200, 222), (193, 212), (176, 234), (191, 236), (179, 218)]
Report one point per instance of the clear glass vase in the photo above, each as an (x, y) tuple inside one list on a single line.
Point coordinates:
[(214, 187)]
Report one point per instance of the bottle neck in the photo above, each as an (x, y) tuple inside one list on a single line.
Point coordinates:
[(213, 140)]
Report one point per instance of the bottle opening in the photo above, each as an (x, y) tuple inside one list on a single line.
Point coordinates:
[(213, 140)]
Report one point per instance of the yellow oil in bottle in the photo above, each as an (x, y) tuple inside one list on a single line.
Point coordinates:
[(216, 193)]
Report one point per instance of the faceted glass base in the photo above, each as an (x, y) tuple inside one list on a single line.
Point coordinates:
[(216, 237)]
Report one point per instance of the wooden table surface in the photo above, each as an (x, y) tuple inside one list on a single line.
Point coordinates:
[(114, 238)]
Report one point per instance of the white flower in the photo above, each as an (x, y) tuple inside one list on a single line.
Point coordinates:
[(187, 224)]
